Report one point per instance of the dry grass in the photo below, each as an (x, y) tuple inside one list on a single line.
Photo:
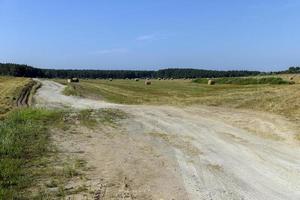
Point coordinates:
[(296, 77), (279, 99), (10, 88)]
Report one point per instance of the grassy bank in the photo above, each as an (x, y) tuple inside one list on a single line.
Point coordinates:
[(24, 141)]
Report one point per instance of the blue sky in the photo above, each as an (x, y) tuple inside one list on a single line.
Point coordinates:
[(151, 34)]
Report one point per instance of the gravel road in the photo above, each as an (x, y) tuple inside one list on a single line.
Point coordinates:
[(207, 152)]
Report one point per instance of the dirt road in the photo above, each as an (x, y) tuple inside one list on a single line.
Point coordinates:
[(196, 152)]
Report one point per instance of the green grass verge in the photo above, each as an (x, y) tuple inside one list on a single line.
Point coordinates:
[(28, 158), (77, 89), (72, 90), (24, 141), (245, 81)]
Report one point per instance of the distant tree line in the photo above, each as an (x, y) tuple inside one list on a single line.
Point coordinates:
[(9, 69), (292, 70), (201, 73), (20, 70)]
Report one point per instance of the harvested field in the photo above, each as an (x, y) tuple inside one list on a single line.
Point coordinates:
[(246, 80), (279, 99), (14, 92)]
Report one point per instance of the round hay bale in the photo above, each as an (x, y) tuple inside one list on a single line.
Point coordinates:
[(147, 82), (291, 78), (159, 79), (211, 82), (75, 79), (110, 79), (292, 82), (136, 79)]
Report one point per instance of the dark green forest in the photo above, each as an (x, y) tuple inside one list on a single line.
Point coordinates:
[(10, 69), (292, 70)]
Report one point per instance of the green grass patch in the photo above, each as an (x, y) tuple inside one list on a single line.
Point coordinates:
[(24, 140), (28, 158), (78, 89), (86, 118), (110, 115), (245, 81), (90, 118), (72, 90)]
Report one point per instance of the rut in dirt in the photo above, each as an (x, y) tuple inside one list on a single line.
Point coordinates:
[(25, 97)]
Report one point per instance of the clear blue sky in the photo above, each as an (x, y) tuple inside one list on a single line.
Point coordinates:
[(151, 34)]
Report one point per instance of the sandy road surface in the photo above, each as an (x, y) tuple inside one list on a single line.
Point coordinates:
[(50, 95), (194, 152)]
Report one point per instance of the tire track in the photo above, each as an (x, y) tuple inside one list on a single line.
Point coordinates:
[(25, 97)]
